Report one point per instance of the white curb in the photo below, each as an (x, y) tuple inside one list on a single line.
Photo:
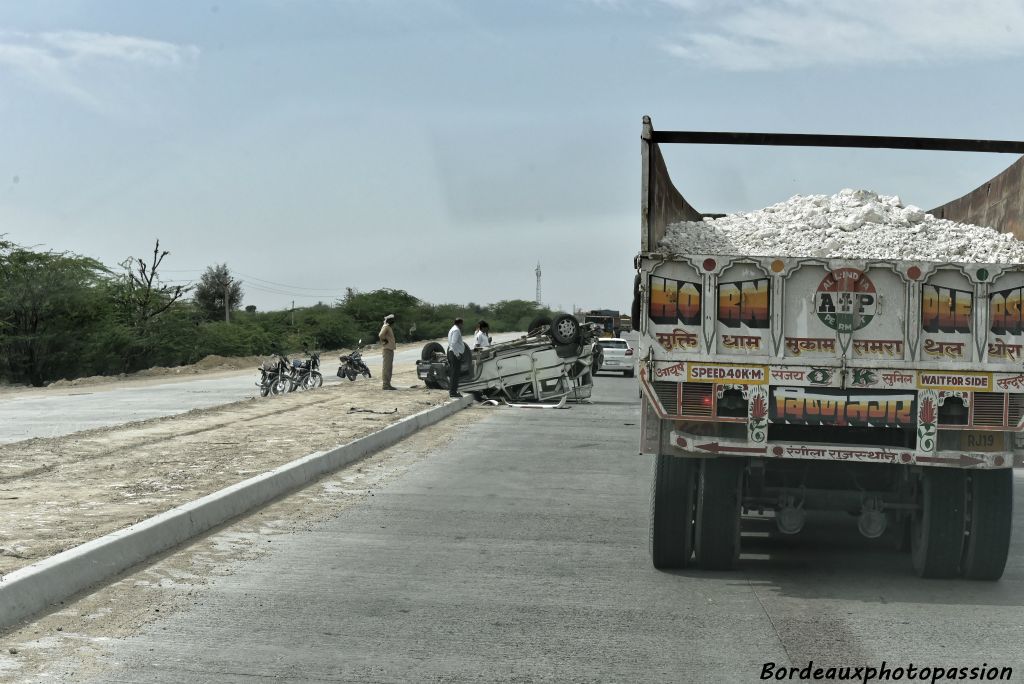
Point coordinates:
[(32, 589)]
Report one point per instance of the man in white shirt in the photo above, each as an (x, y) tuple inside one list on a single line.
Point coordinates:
[(456, 348), (483, 335)]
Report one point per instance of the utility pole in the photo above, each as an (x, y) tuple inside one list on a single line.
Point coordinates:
[(538, 283)]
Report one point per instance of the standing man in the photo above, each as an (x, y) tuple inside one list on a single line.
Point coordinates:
[(387, 338), (456, 348), (483, 335)]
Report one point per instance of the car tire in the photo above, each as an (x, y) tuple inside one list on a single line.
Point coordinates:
[(629, 374), (537, 323), (565, 329), (429, 349)]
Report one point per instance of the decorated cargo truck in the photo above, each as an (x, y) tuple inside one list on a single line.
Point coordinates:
[(779, 384)]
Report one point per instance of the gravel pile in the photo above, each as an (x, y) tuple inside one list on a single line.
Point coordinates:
[(853, 224)]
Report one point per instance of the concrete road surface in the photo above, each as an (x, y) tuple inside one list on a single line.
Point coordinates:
[(519, 553), (93, 406)]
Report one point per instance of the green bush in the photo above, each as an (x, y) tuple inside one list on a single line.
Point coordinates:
[(66, 316)]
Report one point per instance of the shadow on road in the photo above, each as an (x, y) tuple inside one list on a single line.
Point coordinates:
[(829, 559)]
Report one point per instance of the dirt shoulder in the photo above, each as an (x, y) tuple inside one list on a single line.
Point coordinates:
[(60, 492), (70, 643)]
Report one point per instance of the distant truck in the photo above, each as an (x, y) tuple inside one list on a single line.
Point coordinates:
[(608, 321), (892, 390)]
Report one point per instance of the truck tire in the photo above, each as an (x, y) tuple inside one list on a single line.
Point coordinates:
[(990, 505), (672, 499), (634, 309), (717, 539), (937, 534)]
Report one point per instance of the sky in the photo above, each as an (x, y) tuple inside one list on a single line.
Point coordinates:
[(445, 147)]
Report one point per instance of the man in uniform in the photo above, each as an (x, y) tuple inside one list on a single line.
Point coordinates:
[(387, 338)]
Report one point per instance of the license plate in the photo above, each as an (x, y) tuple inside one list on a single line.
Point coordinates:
[(976, 440)]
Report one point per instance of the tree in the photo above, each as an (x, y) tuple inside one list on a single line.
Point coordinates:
[(215, 286), (50, 302), (514, 314), (141, 299), (142, 296), (368, 310)]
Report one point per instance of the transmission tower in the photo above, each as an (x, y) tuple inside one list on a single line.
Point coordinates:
[(538, 283)]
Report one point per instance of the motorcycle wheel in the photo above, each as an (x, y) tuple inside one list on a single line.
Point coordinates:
[(366, 372), (313, 380), (264, 389), (281, 384), (351, 375)]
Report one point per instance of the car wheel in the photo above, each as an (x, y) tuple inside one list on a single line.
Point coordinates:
[(429, 349), (630, 373), (537, 323), (565, 329)]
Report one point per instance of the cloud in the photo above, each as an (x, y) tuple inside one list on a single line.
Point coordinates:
[(61, 61), (765, 35)]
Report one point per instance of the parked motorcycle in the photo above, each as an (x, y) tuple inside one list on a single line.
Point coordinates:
[(352, 364), (275, 376), (306, 374)]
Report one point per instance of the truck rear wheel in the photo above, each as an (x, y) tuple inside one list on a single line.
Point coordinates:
[(717, 541), (990, 506), (937, 534), (672, 499)]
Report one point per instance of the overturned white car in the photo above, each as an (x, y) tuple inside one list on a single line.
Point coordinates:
[(555, 359)]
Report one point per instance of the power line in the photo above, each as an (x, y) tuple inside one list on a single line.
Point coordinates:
[(287, 293), (279, 288), (291, 287)]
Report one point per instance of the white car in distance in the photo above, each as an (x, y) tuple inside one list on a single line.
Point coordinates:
[(618, 356)]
